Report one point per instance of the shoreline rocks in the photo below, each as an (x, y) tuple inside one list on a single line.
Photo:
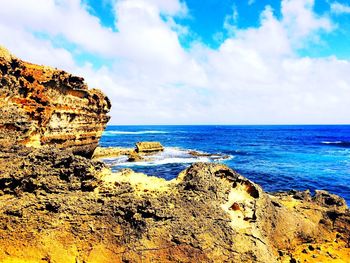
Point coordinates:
[(65, 207), (136, 156), (105, 152)]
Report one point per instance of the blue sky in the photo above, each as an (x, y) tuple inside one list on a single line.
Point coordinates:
[(205, 19), (195, 62)]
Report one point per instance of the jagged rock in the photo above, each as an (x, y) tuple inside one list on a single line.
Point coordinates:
[(40, 106), (326, 199), (147, 147), (105, 152), (135, 157), (44, 169), (56, 204)]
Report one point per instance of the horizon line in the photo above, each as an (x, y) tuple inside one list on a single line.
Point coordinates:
[(219, 124)]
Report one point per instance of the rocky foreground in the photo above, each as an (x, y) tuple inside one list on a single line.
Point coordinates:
[(56, 205), (59, 207)]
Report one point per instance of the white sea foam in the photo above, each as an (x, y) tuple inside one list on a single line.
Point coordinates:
[(112, 133), (225, 158), (163, 161), (336, 142), (170, 155), (344, 144)]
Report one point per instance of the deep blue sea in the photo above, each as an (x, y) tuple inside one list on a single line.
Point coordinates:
[(276, 157)]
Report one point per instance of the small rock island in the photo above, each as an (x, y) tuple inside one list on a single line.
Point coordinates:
[(59, 205)]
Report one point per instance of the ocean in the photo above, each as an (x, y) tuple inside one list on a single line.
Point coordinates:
[(278, 158)]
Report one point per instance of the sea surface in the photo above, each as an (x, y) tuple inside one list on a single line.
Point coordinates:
[(276, 157)]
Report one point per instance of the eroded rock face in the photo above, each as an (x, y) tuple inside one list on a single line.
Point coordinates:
[(43, 106), (64, 208)]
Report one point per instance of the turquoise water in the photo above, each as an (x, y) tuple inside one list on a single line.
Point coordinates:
[(276, 157)]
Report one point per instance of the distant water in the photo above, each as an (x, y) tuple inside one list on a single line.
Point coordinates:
[(276, 157)]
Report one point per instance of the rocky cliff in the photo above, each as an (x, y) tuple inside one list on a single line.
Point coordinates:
[(40, 105), (56, 206)]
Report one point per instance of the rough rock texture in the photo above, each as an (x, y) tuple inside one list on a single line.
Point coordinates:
[(134, 156), (59, 207), (147, 147), (40, 105), (56, 206), (105, 152)]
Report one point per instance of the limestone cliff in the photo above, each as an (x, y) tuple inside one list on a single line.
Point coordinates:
[(40, 105)]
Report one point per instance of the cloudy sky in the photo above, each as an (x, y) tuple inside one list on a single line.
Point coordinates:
[(195, 62)]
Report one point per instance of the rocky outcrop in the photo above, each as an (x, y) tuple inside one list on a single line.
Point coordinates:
[(141, 153), (148, 147), (59, 207), (56, 206), (135, 157), (106, 152), (40, 106)]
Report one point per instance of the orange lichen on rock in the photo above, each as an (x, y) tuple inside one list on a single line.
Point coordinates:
[(39, 102)]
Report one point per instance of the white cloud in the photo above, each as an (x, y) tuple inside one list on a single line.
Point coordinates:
[(339, 8), (24, 45), (301, 22), (255, 76)]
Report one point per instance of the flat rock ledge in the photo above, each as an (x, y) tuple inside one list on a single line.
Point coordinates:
[(106, 152), (149, 147), (137, 155)]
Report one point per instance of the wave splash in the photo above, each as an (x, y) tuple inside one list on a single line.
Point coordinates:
[(112, 133), (170, 155), (338, 143)]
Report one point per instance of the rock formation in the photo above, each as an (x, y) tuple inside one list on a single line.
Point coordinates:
[(106, 152), (148, 147), (59, 207), (135, 157), (40, 105), (56, 206)]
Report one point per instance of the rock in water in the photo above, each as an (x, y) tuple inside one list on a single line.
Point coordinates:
[(135, 157), (40, 106), (104, 152), (147, 147)]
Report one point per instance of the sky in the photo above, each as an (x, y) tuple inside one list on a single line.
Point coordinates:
[(195, 62)]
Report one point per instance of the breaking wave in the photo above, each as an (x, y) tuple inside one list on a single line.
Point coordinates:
[(170, 155), (112, 133), (338, 143)]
